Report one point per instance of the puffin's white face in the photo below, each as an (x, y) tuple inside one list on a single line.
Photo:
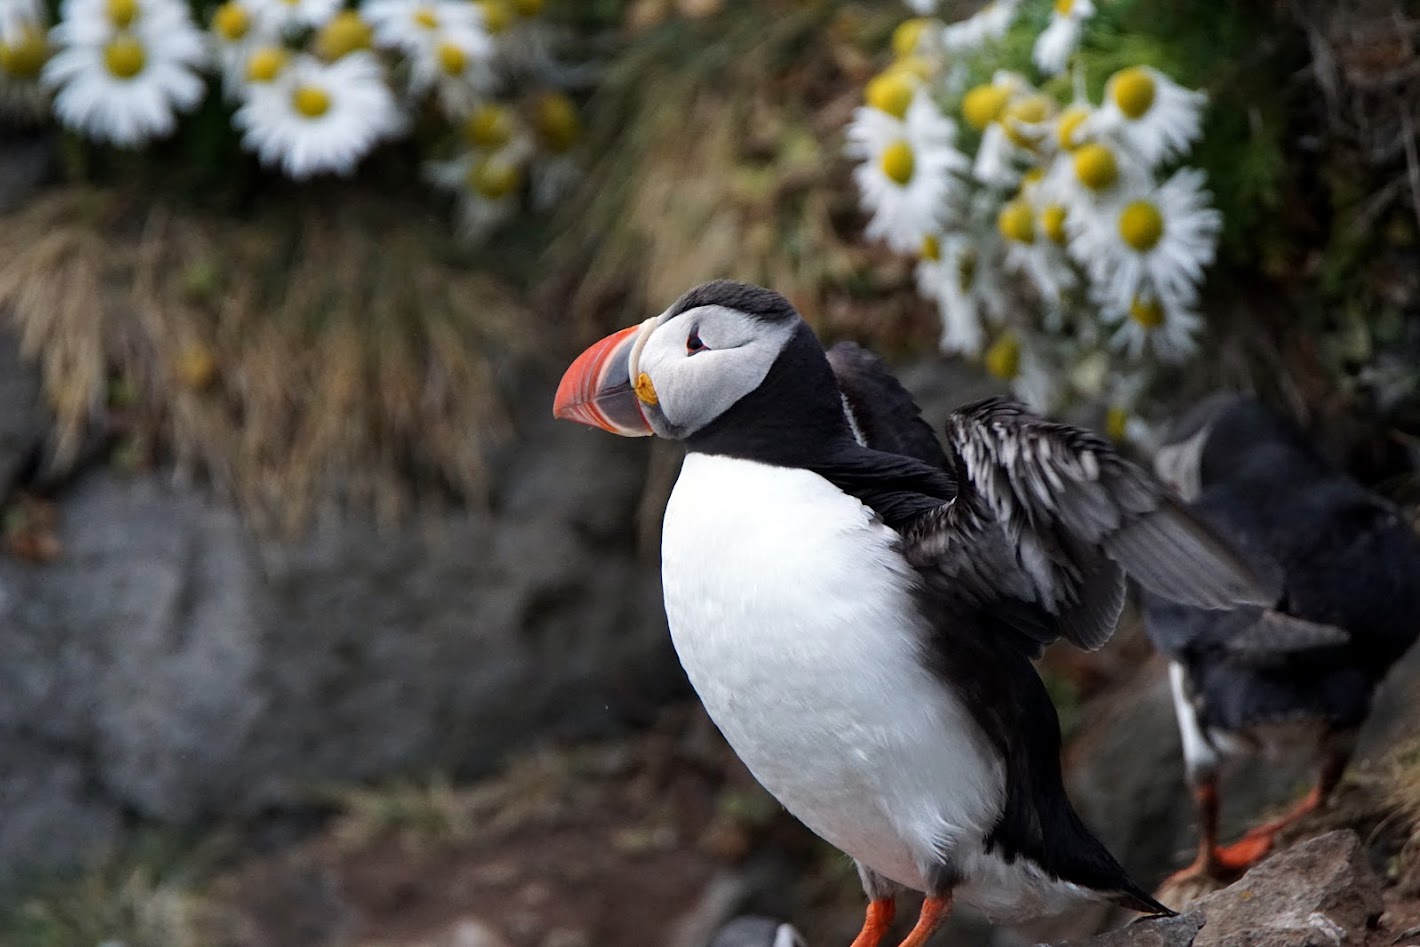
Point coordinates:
[(1180, 464), (699, 363), (674, 373)]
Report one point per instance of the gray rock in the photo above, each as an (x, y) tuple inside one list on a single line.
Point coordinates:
[(1319, 893), (172, 666), (1147, 932)]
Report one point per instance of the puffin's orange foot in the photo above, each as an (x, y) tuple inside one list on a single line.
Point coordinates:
[(876, 922), (1234, 859)]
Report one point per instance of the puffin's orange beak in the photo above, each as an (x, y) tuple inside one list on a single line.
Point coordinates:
[(596, 388)]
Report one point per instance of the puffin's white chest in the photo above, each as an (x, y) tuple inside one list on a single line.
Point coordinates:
[(792, 614)]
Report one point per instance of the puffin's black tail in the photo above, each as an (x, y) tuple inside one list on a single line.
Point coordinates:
[(1037, 821)]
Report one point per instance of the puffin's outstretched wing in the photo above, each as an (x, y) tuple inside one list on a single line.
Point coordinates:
[(1047, 521)]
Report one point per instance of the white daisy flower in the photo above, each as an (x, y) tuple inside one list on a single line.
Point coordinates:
[(18, 18), (1123, 420), (1088, 179), (315, 117), (988, 24), (447, 44), (88, 22), (24, 49), (906, 179), (1149, 242), (1059, 40), (1145, 325), (122, 71), (1149, 113), (554, 168), (487, 187), (945, 273), (1014, 357), (289, 16), (345, 33), (1035, 247), (922, 7), (412, 26), (237, 32)]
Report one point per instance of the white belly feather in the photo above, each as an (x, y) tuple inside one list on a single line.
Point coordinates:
[(790, 610)]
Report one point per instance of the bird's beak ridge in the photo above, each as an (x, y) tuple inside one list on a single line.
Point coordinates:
[(597, 390)]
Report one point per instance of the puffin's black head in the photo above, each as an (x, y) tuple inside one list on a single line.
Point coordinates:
[(728, 365), (1228, 435)]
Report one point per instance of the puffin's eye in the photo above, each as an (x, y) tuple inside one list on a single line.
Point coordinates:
[(693, 343)]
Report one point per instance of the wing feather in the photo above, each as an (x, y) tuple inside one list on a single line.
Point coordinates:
[(1049, 520)]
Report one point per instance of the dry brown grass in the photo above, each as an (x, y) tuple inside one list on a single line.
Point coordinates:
[(325, 354), (719, 155)]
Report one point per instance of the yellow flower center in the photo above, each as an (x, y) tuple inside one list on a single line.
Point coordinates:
[(426, 17), (1070, 121), (493, 177), (891, 92), (931, 247), (1016, 222), (266, 64), (1133, 91), (898, 162), (231, 21), (343, 35), (1030, 110), (124, 56), (914, 67), (497, 15), (452, 59), (1141, 225), (1116, 421), (310, 101), (1003, 358), (908, 36), (1052, 223), (1064, 7), (122, 13), (24, 57), (1095, 166), (555, 118), (1147, 312), (983, 105), (528, 7), (488, 127)]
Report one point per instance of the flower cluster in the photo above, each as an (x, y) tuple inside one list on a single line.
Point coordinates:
[(1061, 239), (313, 86)]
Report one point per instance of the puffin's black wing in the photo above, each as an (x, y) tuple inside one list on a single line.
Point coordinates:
[(883, 414), (1047, 521)]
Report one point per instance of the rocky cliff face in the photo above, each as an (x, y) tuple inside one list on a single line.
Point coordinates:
[(170, 666)]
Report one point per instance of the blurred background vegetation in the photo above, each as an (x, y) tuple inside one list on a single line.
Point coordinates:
[(332, 345)]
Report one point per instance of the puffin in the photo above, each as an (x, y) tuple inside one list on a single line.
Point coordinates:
[(857, 605), (1296, 678), (754, 931)]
